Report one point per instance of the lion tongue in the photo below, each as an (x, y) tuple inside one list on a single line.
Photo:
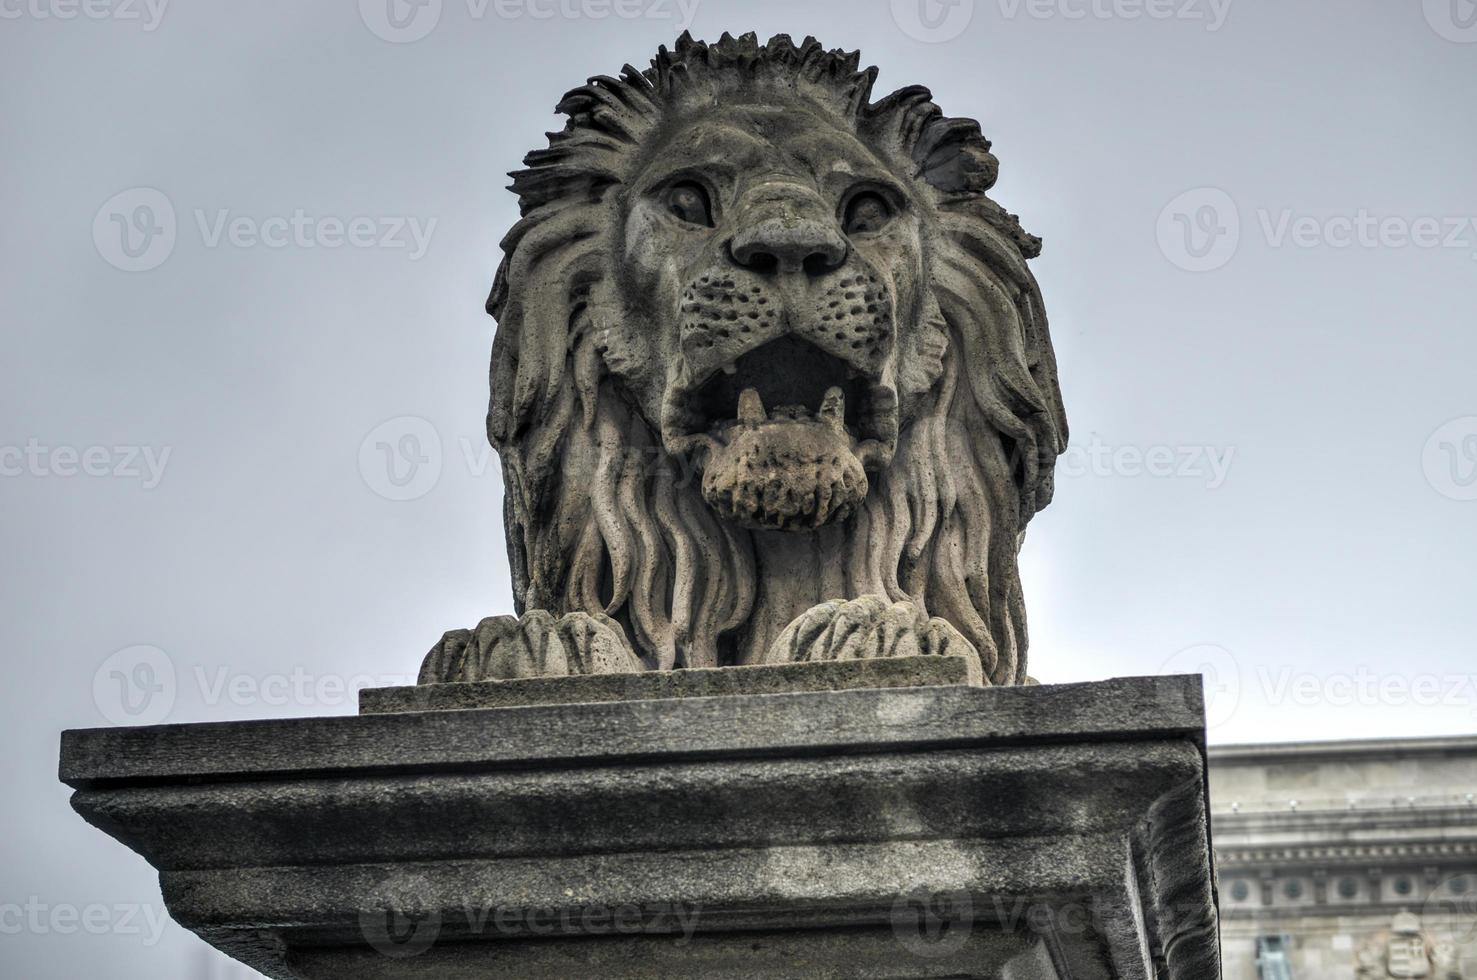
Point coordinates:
[(833, 408), (751, 408)]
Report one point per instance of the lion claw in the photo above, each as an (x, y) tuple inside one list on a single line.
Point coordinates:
[(868, 627), (536, 645)]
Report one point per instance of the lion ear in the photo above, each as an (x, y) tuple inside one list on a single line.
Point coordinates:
[(955, 157), (949, 154)]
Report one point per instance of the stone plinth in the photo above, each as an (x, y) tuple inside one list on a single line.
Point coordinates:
[(842, 675), (940, 831)]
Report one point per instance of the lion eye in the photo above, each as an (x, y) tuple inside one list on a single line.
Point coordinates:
[(866, 212), (689, 202)]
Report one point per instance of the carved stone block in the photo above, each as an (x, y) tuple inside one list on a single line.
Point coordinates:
[(942, 831)]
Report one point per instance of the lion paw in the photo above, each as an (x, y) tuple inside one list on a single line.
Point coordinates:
[(868, 627), (537, 645)]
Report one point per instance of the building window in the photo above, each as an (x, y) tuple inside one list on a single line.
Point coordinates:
[(1348, 888), (1240, 891), (1402, 886), (1458, 886), (1293, 890), (1271, 958)]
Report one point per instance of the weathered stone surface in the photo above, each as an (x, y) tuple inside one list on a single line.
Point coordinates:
[(605, 733), (840, 954), (763, 344), (790, 678), (1054, 831)]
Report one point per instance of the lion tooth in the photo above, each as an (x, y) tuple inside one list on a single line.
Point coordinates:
[(833, 407), (730, 369), (750, 407)]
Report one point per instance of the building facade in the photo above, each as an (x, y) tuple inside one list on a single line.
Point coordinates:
[(1347, 860)]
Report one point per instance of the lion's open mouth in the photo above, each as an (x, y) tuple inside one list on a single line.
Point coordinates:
[(786, 380), (784, 435)]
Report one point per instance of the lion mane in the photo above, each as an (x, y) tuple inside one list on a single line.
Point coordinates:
[(601, 519)]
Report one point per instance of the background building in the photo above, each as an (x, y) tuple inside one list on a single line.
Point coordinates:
[(1321, 846)]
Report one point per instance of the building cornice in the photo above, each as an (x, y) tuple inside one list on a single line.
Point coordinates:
[(1302, 855), (1374, 748)]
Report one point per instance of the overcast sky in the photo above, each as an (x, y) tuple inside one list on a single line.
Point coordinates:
[(1260, 266)]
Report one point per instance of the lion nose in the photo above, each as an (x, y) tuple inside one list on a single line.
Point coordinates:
[(788, 244)]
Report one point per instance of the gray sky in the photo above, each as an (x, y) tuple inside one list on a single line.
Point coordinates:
[(1274, 457)]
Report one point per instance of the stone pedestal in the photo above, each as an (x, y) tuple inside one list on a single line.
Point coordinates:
[(890, 830)]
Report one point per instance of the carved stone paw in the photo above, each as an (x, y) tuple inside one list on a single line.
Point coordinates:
[(537, 645), (860, 629)]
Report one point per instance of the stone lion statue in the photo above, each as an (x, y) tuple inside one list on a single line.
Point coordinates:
[(771, 380)]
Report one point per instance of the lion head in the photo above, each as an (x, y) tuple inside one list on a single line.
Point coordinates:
[(762, 343)]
